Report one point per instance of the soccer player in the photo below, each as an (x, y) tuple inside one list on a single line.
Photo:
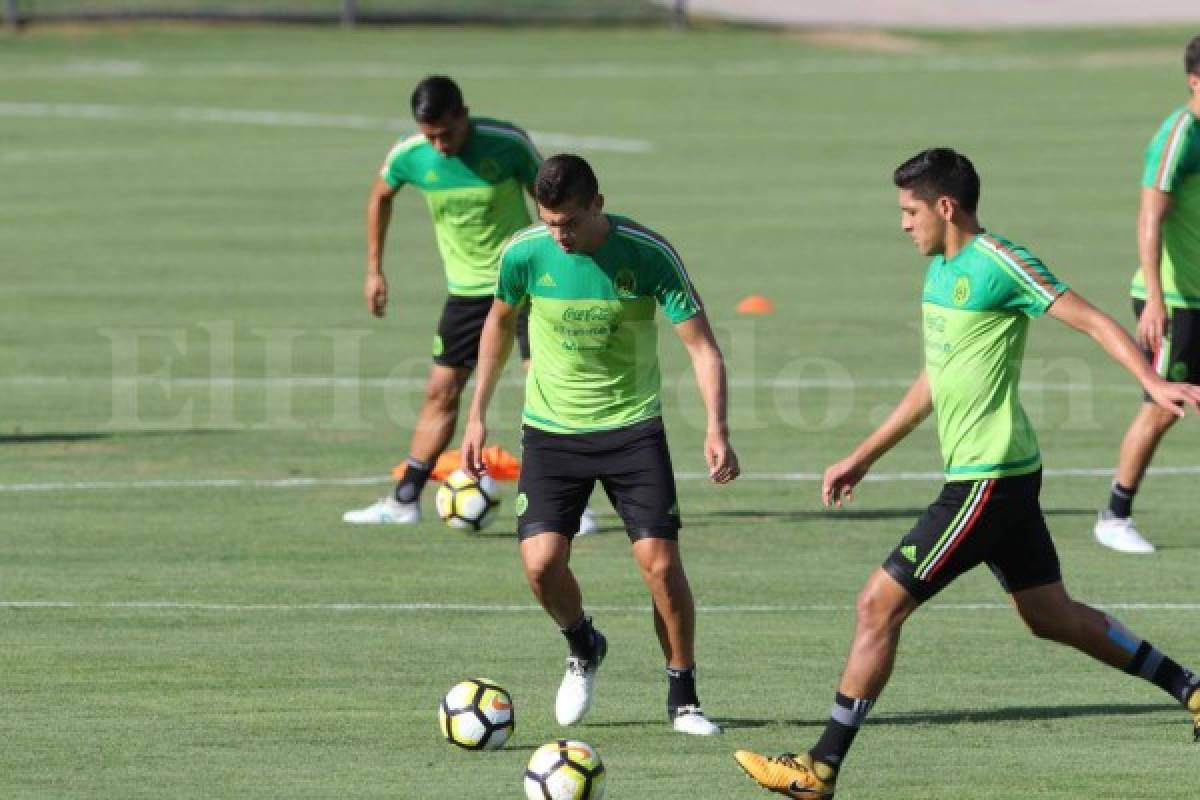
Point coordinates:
[(473, 172), (592, 412), (1166, 292), (980, 292)]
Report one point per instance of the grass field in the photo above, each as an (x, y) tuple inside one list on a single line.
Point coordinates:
[(180, 303)]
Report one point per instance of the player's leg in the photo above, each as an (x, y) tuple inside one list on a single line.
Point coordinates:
[(552, 489), (1177, 358), (952, 536)]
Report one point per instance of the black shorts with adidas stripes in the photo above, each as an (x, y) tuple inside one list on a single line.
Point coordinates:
[(460, 328), (633, 464), (997, 521)]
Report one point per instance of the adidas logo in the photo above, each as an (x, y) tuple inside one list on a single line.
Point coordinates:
[(909, 551), (431, 176), (547, 280)]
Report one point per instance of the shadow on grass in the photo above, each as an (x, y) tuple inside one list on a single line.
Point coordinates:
[(60, 437), (969, 716), (712, 517)]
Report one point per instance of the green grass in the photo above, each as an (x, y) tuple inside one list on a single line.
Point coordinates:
[(206, 242)]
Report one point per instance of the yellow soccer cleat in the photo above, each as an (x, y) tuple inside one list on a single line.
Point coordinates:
[(791, 775), (1193, 705)]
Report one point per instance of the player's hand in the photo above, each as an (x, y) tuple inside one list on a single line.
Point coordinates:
[(1174, 397), (471, 452), (719, 456), (1152, 324), (375, 292), (840, 480)]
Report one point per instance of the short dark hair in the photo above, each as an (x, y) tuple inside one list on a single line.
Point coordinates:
[(565, 178), (434, 98), (939, 172), (1191, 57)]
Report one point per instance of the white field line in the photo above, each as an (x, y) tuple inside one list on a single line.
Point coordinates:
[(286, 119), (623, 70), (322, 381), (500, 608), (371, 480)]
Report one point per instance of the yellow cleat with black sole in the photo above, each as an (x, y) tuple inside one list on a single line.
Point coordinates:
[(791, 775)]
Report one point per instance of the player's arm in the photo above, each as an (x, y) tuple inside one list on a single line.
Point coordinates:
[(1081, 315), (379, 214), (1153, 210), (841, 478), (709, 366), (494, 345)]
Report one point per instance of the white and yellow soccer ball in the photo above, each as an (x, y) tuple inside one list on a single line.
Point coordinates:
[(463, 502), (565, 770), (477, 715)]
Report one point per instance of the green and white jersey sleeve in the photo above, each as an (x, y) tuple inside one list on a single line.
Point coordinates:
[(475, 198), (1172, 165), (976, 308), (592, 329)]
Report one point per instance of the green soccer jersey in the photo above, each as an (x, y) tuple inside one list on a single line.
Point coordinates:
[(592, 331), (476, 198), (1173, 166), (976, 309)]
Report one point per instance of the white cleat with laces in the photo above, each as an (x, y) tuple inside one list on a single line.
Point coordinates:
[(1119, 533), (691, 720), (385, 511), (575, 692)]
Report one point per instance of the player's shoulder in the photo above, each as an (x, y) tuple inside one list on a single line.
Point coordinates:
[(526, 241), (498, 130), (643, 238), (1181, 122), (996, 246), (406, 146)]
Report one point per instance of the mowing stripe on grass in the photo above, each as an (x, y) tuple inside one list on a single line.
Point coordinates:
[(502, 608), (287, 119), (369, 480)]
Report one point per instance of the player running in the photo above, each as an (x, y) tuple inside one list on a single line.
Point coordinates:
[(1166, 297), (592, 412), (473, 172), (980, 292)]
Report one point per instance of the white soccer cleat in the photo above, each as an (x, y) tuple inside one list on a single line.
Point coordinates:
[(587, 523), (385, 511), (1118, 533), (575, 692), (691, 720)]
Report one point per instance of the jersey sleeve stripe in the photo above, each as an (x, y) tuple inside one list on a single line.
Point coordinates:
[(399, 147), (1172, 151), (646, 235), (533, 232), (1021, 269), (511, 132)]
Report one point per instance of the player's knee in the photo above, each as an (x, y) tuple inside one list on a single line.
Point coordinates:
[(876, 611), (443, 396), (1045, 623)]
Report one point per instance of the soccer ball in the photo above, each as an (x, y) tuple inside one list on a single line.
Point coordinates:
[(565, 770), (463, 502), (476, 715)]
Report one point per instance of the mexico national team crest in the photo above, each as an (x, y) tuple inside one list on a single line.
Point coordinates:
[(625, 282), (489, 169), (962, 290)]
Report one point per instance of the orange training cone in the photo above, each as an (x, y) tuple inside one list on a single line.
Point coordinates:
[(755, 304)]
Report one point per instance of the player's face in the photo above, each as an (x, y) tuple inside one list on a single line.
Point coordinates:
[(448, 134), (923, 222), (573, 226)]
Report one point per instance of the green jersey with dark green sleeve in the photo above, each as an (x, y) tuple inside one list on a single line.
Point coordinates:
[(592, 328), (1172, 165), (976, 308), (476, 198)]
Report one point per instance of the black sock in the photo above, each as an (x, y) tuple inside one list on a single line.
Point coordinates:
[(681, 688), (582, 638), (844, 720), (416, 473), (1151, 664), (1120, 502)]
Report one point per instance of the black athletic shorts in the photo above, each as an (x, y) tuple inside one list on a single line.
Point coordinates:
[(456, 343), (1177, 355), (633, 464), (998, 522)]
